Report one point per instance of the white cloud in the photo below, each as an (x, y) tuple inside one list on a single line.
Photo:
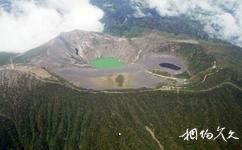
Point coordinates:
[(222, 18), (29, 24)]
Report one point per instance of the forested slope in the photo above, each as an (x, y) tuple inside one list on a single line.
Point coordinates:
[(46, 115)]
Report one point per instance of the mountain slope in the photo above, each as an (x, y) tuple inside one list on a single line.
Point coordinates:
[(6, 57), (51, 116), (41, 110)]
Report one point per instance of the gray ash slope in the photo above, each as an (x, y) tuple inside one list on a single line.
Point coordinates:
[(70, 54)]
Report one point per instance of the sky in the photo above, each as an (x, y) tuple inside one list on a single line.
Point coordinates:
[(31, 24)]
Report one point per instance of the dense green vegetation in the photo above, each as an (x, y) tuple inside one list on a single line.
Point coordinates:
[(119, 20), (227, 55), (51, 116), (5, 57), (102, 63), (183, 75), (126, 30), (196, 58), (200, 60)]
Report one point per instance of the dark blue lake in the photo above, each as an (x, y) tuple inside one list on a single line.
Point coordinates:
[(170, 66)]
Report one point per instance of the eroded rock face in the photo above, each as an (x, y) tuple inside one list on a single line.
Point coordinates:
[(86, 46), (15, 79), (14, 85), (69, 55)]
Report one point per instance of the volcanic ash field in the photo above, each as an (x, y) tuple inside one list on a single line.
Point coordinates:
[(102, 62)]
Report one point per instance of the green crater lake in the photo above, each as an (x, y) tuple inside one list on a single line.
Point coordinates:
[(104, 63)]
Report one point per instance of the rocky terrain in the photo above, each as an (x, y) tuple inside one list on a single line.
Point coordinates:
[(69, 55)]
